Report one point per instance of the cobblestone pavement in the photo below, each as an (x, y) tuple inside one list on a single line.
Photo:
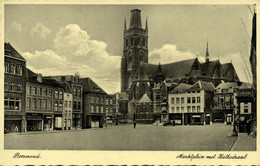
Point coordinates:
[(244, 142), (125, 137)]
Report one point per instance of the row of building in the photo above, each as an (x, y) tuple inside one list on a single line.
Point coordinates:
[(33, 102)]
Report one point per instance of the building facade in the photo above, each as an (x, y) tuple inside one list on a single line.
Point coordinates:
[(14, 90), (191, 104)]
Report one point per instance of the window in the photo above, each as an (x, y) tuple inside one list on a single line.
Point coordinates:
[(75, 92), (107, 101), (34, 104), (79, 92), (29, 90), (144, 42), (19, 87), (92, 108), (66, 104), (12, 103), (182, 109), (126, 42), (245, 109), (79, 105), (50, 92), (39, 104), (198, 108), (177, 100), (28, 104), (35, 90), (19, 70), (92, 99), (193, 100), (12, 70), (182, 100), (56, 106), (12, 86), (132, 41), (106, 109), (173, 109), (69, 104), (177, 109), (45, 92), (198, 99), (111, 102), (56, 94), (6, 85), (60, 106), (172, 100), (102, 109), (75, 105), (188, 100), (188, 108), (50, 105), (97, 108), (40, 91), (193, 108), (7, 67), (61, 95), (44, 104)]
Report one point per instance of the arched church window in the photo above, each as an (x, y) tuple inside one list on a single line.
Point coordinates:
[(141, 56), (144, 42), (132, 41), (126, 42), (138, 41)]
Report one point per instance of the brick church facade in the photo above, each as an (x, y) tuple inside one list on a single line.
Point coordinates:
[(139, 78)]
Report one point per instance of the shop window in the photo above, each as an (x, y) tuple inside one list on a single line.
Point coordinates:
[(182, 100), (188, 100), (173, 100), (61, 95), (7, 67), (6, 86), (12, 69), (198, 99), (19, 70), (193, 100)]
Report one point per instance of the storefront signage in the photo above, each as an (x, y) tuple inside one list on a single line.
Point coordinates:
[(196, 116)]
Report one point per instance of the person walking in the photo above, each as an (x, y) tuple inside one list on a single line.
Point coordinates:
[(134, 124), (248, 126)]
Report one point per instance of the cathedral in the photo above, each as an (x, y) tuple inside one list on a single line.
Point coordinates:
[(140, 80)]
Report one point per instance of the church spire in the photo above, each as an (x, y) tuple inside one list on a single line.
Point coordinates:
[(146, 24), (135, 20), (125, 25), (207, 53)]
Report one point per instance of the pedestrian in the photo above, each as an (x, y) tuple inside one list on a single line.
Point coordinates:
[(134, 124), (248, 126)]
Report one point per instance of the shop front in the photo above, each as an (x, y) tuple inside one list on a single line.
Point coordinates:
[(197, 119), (57, 122), (13, 124), (76, 121), (34, 122), (47, 123)]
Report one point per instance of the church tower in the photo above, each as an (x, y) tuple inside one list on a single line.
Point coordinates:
[(207, 53), (135, 50)]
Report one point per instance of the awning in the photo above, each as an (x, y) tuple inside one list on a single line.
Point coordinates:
[(196, 116)]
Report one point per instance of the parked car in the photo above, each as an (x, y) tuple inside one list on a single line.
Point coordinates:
[(169, 123)]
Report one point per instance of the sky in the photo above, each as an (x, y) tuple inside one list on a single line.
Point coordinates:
[(65, 39)]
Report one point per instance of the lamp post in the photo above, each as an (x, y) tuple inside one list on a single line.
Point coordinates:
[(234, 132)]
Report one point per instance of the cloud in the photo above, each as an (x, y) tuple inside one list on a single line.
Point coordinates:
[(74, 51), (169, 53), (16, 26), (40, 30)]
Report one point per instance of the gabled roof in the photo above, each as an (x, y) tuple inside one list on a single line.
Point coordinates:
[(208, 68), (14, 53), (90, 86), (245, 85), (145, 99), (227, 85), (181, 88), (201, 85)]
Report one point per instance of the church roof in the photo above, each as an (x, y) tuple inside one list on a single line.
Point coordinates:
[(145, 99), (140, 74), (89, 86), (181, 88), (208, 68), (13, 52)]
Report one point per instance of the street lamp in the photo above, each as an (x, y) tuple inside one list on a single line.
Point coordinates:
[(234, 132)]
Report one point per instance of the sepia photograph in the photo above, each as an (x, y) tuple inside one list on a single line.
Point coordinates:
[(130, 78)]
